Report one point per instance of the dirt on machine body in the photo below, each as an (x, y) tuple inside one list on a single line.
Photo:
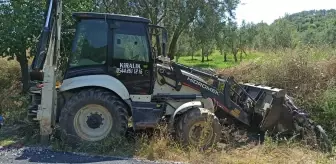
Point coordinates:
[(118, 68)]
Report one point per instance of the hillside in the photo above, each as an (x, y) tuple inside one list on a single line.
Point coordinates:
[(314, 26)]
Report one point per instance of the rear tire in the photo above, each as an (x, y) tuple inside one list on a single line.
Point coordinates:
[(190, 119), (93, 115)]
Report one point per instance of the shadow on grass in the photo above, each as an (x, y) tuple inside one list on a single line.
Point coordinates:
[(38, 155), (122, 147), (149, 145), (109, 150), (17, 136), (190, 59)]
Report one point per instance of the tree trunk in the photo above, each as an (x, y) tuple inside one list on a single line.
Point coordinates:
[(234, 52), (244, 52), (22, 59), (192, 55), (235, 57), (172, 46), (202, 55), (241, 56), (225, 57), (207, 55)]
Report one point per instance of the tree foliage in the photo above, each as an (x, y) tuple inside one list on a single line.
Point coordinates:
[(20, 24), (192, 25), (313, 28)]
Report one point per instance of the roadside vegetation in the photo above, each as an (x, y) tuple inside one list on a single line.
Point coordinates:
[(261, 68), (295, 53)]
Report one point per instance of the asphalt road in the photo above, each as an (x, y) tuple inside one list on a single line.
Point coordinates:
[(28, 155)]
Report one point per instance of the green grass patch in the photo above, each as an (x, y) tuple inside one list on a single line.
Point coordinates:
[(216, 60), (7, 141)]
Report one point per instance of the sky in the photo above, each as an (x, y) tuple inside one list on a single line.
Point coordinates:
[(268, 10)]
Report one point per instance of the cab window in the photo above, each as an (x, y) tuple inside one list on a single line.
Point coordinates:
[(130, 41), (90, 44)]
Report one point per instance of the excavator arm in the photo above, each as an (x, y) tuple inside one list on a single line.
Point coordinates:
[(46, 34), (241, 101), (44, 68)]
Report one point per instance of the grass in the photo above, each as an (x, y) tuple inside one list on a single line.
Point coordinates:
[(216, 60), (161, 147), (7, 141), (305, 74), (297, 71)]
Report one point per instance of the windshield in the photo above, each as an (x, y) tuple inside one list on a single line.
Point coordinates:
[(90, 44)]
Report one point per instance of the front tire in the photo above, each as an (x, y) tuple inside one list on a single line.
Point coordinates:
[(194, 118), (93, 115)]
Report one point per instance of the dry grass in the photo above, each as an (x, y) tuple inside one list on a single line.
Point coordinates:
[(301, 73), (297, 73), (161, 147), (12, 102), (307, 74)]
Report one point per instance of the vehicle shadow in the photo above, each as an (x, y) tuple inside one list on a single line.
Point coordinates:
[(11, 136), (15, 148), (39, 155)]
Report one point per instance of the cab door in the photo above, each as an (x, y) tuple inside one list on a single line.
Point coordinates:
[(130, 58)]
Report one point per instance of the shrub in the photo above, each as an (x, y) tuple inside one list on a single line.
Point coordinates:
[(12, 103), (306, 74)]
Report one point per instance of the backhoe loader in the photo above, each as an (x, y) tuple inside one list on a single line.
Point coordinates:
[(115, 72)]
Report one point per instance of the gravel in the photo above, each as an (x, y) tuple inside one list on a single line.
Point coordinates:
[(26, 155)]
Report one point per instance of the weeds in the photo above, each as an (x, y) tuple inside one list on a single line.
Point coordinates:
[(305, 74), (161, 146), (12, 103)]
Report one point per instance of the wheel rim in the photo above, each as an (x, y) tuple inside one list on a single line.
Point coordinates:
[(200, 134), (93, 122)]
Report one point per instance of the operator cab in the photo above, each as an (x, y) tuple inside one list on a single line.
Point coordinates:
[(115, 45), (111, 44)]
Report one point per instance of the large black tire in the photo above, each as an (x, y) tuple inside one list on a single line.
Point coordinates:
[(112, 107), (185, 123)]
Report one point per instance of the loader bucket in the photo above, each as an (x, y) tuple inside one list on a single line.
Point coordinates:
[(280, 117), (268, 102)]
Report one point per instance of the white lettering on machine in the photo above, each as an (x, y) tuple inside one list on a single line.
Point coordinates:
[(204, 86), (129, 68)]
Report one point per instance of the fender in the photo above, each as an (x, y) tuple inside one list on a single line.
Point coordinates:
[(104, 81), (181, 109)]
